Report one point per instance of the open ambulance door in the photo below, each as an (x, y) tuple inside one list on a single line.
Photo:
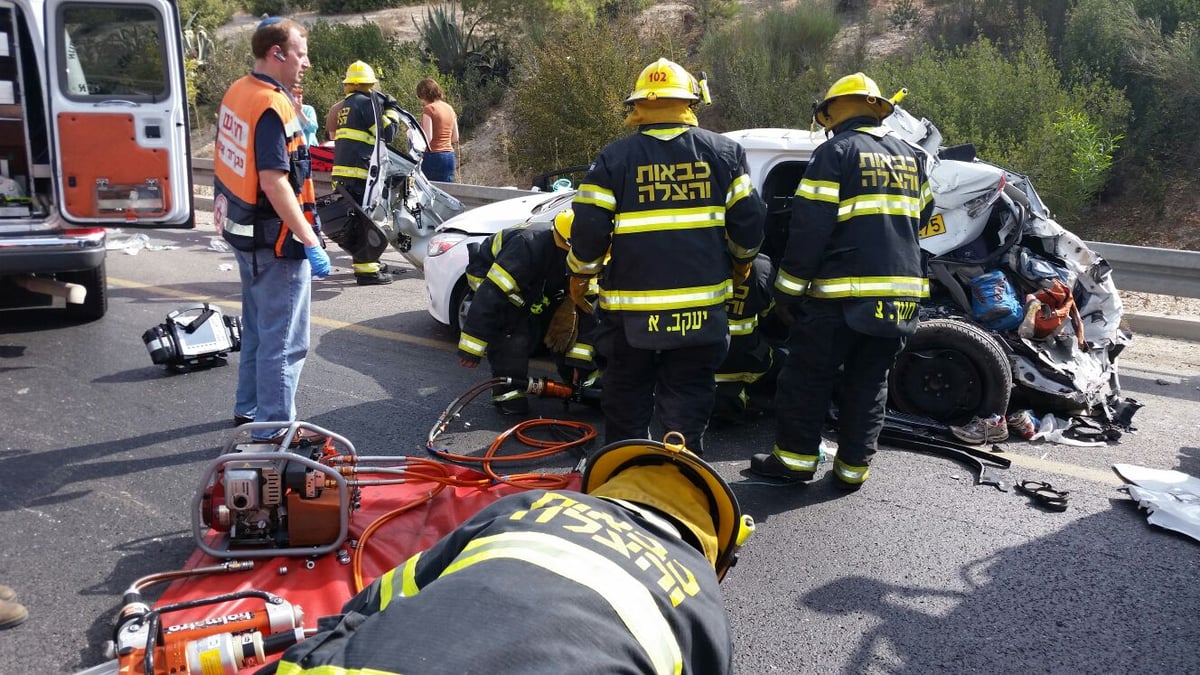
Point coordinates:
[(120, 141)]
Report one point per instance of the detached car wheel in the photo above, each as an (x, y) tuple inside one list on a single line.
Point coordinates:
[(950, 371), (95, 305)]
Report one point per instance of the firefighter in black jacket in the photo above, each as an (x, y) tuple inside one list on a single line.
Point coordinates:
[(749, 370), (675, 205), (851, 278), (518, 274), (365, 118), (619, 578)]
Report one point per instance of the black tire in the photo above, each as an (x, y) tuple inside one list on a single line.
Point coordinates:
[(951, 371), (95, 305), (460, 304)]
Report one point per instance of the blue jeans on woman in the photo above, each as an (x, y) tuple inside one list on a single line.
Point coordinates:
[(439, 166), (276, 303)]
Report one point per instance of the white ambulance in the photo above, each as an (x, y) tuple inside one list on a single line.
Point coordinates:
[(94, 133)]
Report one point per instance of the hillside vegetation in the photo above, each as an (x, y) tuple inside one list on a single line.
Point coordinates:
[(1091, 98)]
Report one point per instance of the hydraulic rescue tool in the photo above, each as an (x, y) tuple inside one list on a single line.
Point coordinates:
[(143, 644), (271, 500)]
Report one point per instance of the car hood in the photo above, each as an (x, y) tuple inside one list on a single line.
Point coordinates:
[(491, 218)]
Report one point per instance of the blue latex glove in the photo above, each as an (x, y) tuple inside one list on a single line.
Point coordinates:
[(319, 259)]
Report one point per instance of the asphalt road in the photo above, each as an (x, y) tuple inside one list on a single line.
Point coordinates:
[(920, 572)]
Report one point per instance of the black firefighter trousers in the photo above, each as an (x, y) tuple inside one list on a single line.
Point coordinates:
[(679, 385), (819, 343)]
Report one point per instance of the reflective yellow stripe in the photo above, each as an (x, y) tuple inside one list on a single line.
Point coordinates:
[(590, 193), (797, 462), (741, 187), (743, 326), (580, 352), (348, 134), (745, 378), (671, 298), (868, 287), (349, 172), (472, 345), (790, 284), (851, 474), (926, 195), (665, 134), (474, 282), (386, 589), (578, 266), (661, 220), (286, 668), (819, 190), (740, 253), (875, 205), (507, 285), (626, 594), (238, 228)]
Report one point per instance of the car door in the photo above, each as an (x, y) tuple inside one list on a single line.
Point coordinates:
[(118, 113)]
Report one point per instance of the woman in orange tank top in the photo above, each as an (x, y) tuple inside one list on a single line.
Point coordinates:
[(440, 124)]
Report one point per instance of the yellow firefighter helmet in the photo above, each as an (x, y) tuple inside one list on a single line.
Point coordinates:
[(862, 92), (360, 72), (665, 79), (563, 222), (666, 476)]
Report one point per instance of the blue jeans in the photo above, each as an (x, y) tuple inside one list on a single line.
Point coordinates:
[(275, 318), (439, 166)]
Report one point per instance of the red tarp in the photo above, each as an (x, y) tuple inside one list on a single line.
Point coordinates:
[(322, 590)]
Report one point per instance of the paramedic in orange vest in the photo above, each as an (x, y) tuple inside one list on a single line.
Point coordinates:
[(264, 206)]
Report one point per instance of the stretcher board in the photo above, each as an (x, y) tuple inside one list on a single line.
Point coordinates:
[(322, 589)]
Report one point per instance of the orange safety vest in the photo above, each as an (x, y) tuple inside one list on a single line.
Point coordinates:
[(240, 210)]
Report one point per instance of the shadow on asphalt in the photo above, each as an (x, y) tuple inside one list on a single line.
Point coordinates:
[(1043, 606)]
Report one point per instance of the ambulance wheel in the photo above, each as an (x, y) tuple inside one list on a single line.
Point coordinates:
[(951, 371), (95, 305)]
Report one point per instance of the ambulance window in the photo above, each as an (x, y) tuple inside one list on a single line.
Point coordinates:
[(112, 52)]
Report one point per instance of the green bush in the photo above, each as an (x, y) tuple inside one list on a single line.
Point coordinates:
[(230, 60), (1159, 71), (354, 6), (333, 47), (1020, 114), (205, 14), (277, 7), (570, 106), (767, 71)]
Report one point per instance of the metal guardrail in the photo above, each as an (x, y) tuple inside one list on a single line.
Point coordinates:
[(470, 195), (1137, 268)]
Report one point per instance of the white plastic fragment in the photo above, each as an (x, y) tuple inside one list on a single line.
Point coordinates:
[(1171, 498)]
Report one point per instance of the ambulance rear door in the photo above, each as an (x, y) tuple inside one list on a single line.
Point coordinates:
[(119, 113)]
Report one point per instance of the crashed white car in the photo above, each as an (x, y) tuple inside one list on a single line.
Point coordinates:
[(986, 218)]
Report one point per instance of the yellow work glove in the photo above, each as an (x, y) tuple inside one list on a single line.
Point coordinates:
[(741, 271), (563, 328), (579, 291)]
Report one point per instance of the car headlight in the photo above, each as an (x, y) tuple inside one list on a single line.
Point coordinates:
[(440, 243)]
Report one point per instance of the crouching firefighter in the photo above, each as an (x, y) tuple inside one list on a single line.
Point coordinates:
[(519, 274), (366, 123), (849, 284), (746, 378), (622, 577)]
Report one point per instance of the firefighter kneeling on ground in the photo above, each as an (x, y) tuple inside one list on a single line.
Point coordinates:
[(518, 274), (366, 122), (619, 578), (746, 379)]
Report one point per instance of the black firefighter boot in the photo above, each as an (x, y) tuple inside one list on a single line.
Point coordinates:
[(378, 278)]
